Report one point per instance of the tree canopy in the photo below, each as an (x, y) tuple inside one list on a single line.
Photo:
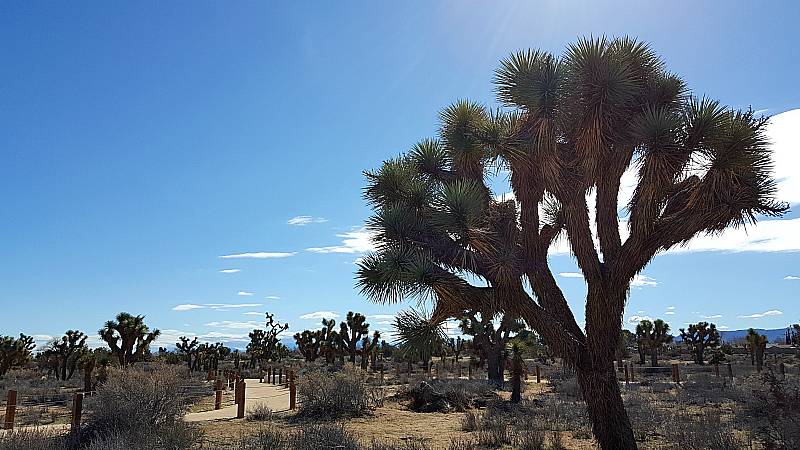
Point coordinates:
[(570, 127)]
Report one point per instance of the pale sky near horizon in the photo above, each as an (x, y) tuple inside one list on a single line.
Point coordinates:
[(201, 163)]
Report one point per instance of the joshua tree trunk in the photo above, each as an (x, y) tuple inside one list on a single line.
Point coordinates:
[(493, 366), (654, 356), (610, 422)]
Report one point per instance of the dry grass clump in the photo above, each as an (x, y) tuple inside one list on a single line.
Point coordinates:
[(33, 439), (259, 413), (326, 395)]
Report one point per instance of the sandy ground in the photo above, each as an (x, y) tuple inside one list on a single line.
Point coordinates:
[(275, 397)]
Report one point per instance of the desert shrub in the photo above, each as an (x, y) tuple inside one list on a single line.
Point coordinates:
[(324, 437), (447, 395), (564, 381), (773, 409), (458, 444), (328, 395), (32, 439), (469, 422), (494, 434), (138, 408), (259, 413), (556, 442), (704, 431), (266, 438), (529, 439)]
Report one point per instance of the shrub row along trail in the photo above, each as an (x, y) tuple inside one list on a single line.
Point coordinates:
[(256, 394)]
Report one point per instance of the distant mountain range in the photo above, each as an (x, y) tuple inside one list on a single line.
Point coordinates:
[(771, 334), (729, 335)]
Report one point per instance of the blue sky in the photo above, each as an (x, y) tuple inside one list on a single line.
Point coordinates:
[(201, 162)]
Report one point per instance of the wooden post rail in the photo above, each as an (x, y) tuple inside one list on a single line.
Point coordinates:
[(218, 398), (11, 409), (77, 407), (292, 392)]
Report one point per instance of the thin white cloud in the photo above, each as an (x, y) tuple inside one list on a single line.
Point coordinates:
[(253, 313), (774, 312), (384, 322), (671, 307), (229, 271), (634, 320), (792, 277), (320, 315), (669, 313), (354, 242), (244, 293), (235, 324), (186, 307), (716, 316), (641, 280), (272, 297), (235, 305), (382, 316), (302, 221), (570, 275), (260, 255), (723, 327)]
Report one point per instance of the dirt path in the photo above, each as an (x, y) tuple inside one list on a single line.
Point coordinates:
[(275, 397)]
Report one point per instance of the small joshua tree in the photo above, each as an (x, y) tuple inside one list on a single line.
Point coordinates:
[(756, 344), (698, 338), (654, 336), (517, 368), (368, 348), (351, 332), (67, 350), (190, 349), (14, 352)]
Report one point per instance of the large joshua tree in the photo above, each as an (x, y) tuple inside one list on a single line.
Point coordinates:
[(128, 337), (573, 125)]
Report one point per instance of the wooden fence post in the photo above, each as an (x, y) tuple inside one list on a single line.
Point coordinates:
[(240, 387), (11, 409), (77, 407), (633, 377), (783, 370), (627, 378), (459, 370), (260, 375), (382, 372), (218, 399), (409, 367), (292, 392), (538, 374), (730, 371), (716, 369), (470, 370)]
